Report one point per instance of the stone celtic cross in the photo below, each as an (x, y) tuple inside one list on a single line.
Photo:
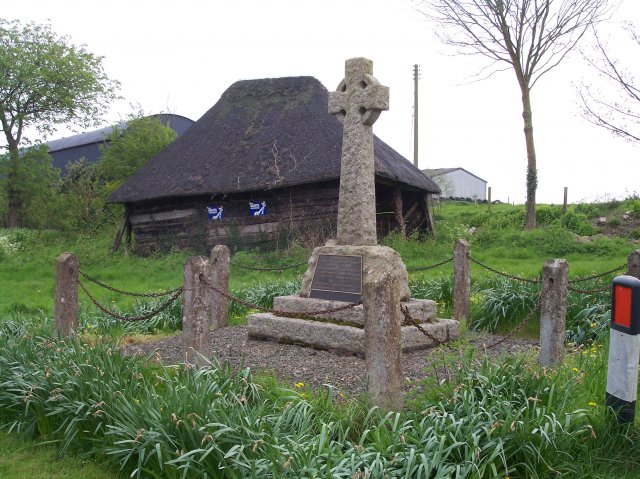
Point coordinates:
[(358, 103)]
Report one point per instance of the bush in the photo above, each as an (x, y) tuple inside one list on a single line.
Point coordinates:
[(545, 215), (578, 223), (591, 210)]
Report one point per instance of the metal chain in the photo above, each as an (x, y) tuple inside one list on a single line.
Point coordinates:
[(311, 315), (590, 291), (129, 293), (425, 268), (255, 268), (519, 327), (409, 319), (506, 275), (130, 319), (595, 276)]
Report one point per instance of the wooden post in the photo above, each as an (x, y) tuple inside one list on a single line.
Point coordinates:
[(220, 259), (489, 198), (196, 312), (383, 347), (633, 264), (566, 195), (66, 307), (397, 210), (428, 214), (461, 282), (553, 311)]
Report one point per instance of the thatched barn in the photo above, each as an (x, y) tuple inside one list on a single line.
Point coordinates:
[(263, 166)]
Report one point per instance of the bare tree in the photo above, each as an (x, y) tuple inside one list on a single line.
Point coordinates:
[(530, 37), (617, 109)]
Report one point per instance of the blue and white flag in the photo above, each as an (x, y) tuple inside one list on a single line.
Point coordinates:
[(257, 208), (215, 212)]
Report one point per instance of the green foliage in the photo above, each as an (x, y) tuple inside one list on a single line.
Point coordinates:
[(578, 223), (35, 182), (439, 290), (545, 215), (591, 210), (22, 458), (128, 150), (493, 418), (82, 195), (46, 80), (501, 301)]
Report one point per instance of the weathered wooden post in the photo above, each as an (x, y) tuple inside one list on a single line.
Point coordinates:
[(220, 260), (196, 309), (383, 350), (66, 307), (461, 282), (398, 212), (633, 264), (553, 311), (489, 198), (566, 195)]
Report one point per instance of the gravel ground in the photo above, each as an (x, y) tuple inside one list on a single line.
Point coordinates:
[(291, 363)]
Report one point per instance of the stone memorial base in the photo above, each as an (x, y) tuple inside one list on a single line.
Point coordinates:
[(342, 339), (343, 331)]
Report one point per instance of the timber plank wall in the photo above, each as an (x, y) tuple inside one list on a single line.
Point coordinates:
[(304, 213)]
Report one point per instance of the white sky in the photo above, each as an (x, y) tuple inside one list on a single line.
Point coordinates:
[(181, 56)]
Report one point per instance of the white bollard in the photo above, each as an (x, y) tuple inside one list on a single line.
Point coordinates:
[(624, 348)]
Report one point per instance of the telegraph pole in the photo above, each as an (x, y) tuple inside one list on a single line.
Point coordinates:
[(416, 76)]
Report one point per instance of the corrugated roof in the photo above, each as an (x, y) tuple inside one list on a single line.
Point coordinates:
[(261, 134), (99, 136), (441, 171), (96, 136)]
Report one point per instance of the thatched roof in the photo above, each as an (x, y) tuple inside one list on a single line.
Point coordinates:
[(261, 134)]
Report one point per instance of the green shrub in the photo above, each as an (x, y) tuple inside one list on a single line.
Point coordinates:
[(635, 208), (614, 222), (591, 210), (545, 215), (578, 223)]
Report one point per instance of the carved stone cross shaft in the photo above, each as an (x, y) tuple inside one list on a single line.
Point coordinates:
[(358, 103)]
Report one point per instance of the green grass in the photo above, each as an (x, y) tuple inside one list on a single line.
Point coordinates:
[(470, 419), (491, 418), (21, 458)]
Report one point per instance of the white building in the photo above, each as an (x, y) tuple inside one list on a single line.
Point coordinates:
[(458, 183)]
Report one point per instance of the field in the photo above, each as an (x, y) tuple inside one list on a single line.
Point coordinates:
[(507, 418)]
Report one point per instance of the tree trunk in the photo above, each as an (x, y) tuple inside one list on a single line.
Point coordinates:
[(532, 172), (13, 194)]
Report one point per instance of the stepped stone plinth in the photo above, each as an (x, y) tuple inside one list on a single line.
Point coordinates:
[(342, 339), (343, 331)]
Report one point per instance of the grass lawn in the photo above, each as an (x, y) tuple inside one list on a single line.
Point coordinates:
[(20, 459)]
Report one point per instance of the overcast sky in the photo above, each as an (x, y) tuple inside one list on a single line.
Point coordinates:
[(179, 57)]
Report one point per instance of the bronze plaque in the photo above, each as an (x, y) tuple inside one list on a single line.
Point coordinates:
[(338, 278)]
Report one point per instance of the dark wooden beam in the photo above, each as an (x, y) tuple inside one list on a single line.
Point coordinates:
[(125, 224), (399, 217)]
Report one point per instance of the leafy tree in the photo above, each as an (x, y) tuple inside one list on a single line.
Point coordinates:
[(128, 150), (529, 37), (46, 81), (37, 182), (618, 108), (82, 194)]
